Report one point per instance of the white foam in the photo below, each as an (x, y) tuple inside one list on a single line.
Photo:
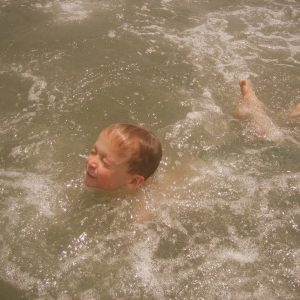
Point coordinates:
[(199, 269), (4, 3), (206, 118), (284, 182), (231, 56), (91, 294), (195, 115), (74, 10), (10, 123), (142, 257), (111, 34), (16, 276), (36, 90), (38, 83), (218, 47), (37, 189), (67, 10), (241, 256)]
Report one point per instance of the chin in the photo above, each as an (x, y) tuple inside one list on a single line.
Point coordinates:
[(92, 184), (88, 182)]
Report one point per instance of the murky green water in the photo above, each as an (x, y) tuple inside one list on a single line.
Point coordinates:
[(225, 205)]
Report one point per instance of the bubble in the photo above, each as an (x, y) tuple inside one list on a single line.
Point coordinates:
[(112, 34)]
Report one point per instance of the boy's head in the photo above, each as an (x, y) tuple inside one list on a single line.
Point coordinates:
[(123, 156)]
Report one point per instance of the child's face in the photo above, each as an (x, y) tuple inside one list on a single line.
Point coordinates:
[(106, 167)]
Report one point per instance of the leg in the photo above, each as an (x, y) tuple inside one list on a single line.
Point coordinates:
[(250, 104), (296, 111), (252, 109)]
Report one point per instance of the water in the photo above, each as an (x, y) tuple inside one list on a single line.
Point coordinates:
[(225, 204)]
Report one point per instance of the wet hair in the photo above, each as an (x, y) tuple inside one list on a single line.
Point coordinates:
[(140, 145)]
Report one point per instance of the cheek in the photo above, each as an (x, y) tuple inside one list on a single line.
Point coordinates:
[(104, 174), (107, 179)]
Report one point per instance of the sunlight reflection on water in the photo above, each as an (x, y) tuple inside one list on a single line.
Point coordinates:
[(224, 205)]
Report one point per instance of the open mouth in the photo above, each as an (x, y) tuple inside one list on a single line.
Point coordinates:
[(89, 174)]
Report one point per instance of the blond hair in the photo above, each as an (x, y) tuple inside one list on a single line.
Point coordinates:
[(139, 144)]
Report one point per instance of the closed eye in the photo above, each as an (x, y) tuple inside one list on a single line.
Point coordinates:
[(105, 163)]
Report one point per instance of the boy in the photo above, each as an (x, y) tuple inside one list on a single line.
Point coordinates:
[(123, 156)]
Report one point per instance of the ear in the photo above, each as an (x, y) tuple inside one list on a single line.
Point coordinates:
[(136, 182)]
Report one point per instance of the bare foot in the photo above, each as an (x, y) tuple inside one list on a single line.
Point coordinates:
[(250, 104), (244, 87), (296, 111), (252, 109)]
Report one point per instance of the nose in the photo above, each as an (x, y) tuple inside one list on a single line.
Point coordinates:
[(91, 162)]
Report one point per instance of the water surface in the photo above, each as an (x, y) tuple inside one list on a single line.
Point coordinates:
[(225, 204)]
